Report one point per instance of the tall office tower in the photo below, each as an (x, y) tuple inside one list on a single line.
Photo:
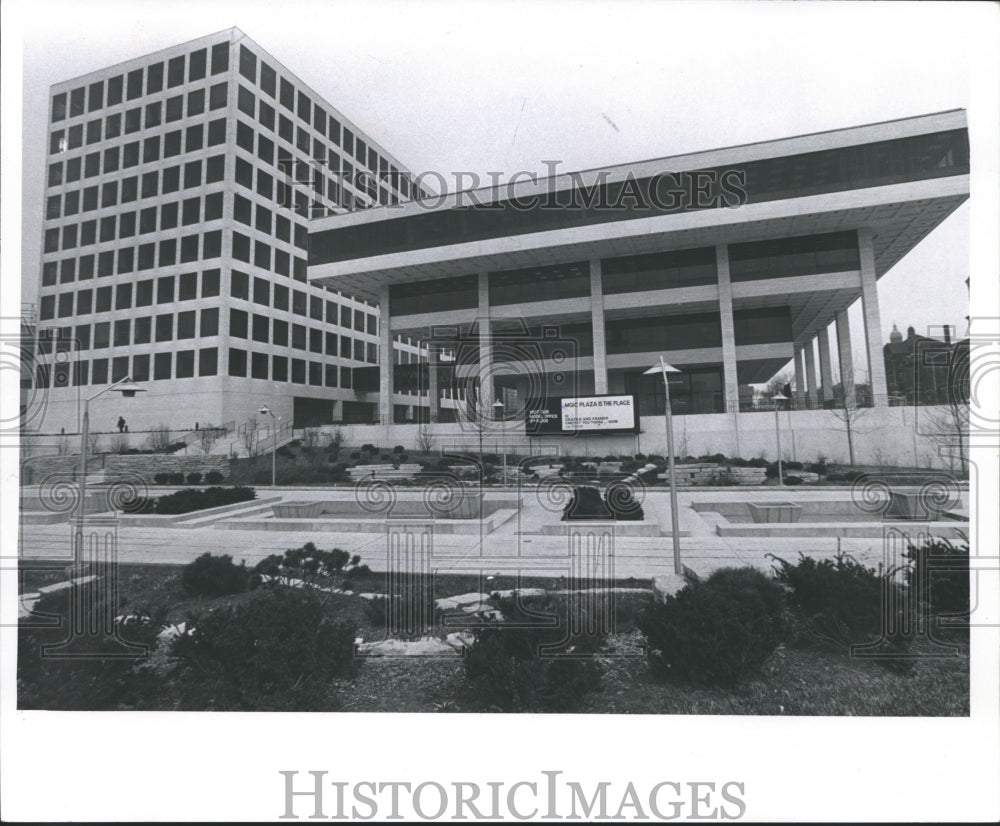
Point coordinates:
[(178, 191)]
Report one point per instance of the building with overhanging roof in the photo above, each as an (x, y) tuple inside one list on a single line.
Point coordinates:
[(728, 262)]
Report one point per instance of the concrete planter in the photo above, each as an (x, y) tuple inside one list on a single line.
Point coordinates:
[(911, 505), (767, 512)]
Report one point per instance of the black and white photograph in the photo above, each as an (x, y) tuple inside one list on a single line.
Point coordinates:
[(500, 411)]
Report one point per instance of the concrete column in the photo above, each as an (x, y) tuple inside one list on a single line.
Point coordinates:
[(825, 368), (384, 358), (486, 394), (811, 375), (730, 383), (597, 326), (872, 319), (800, 380), (845, 358), (433, 392)]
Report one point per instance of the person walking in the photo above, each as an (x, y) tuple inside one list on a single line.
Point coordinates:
[(121, 424)]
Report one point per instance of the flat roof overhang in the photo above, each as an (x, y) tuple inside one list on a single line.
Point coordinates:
[(899, 217)]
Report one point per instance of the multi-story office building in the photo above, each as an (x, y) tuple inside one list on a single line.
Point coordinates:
[(728, 262), (178, 193)]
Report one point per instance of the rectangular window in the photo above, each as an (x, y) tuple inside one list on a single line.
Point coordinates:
[(100, 371), (154, 79), (82, 336), (237, 362), (175, 72), (282, 262), (186, 324), (262, 255), (105, 263), (298, 371), (189, 249), (171, 179), (261, 328), (287, 95), (130, 189), (210, 283), (280, 297), (315, 340), (147, 257), (192, 174), (191, 211), (165, 327), (175, 108), (84, 302), (241, 248), (123, 297), (72, 202), (133, 88), (94, 131), (212, 247), (168, 252), (299, 302), (187, 286), (165, 289), (126, 260), (220, 57), (150, 184), (244, 173), (238, 320), (279, 368), (59, 107), (123, 332), (217, 96), (330, 375), (298, 337), (153, 114), (261, 291), (151, 149), (195, 138), (258, 366), (65, 309), (133, 120), (248, 64), (196, 102), (279, 332), (143, 330), (162, 366), (168, 215), (265, 114), (140, 368), (208, 361), (119, 368), (209, 322), (102, 335), (196, 65), (144, 293), (112, 126), (130, 154), (239, 285), (67, 271), (245, 101), (315, 373), (185, 364), (331, 344), (76, 101), (111, 159), (215, 169), (216, 132)]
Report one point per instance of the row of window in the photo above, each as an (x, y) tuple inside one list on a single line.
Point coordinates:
[(310, 113), (261, 291), (185, 364), (129, 224), (153, 114), (148, 185), (148, 80), (150, 150)]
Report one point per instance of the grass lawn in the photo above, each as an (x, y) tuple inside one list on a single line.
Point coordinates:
[(794, 681)]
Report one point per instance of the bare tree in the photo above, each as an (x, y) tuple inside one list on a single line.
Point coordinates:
[(94, 443), (207, 437), (949, 433), (425, 439), (119, 443), (849, 414), (159, 438), (335, 442), (29, 444), (251, 438)]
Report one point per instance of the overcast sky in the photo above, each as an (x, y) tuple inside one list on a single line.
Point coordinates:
[(504, 86)]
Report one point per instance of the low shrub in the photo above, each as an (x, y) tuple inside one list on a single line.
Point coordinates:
[(525, 665), (719, 631), (835, 477), (403, 457), (214, 477), (216, 576), (621, 503), (842, 603), (771, 471), (307, 562), (398, 449), (187, 500), (193, 478), (585, 503), (104, 675), (369, 448), (792, 465), (940, 570), (852, 475), (793, 480), (176, 478), (276, 651), (356, 455), (161, 478), (409, 611)]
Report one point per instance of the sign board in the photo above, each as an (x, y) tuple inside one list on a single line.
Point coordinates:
[(568, 416)]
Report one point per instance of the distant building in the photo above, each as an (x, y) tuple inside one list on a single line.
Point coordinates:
[(926, 370)]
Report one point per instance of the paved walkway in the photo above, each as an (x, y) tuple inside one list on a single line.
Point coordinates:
[(516, 545)]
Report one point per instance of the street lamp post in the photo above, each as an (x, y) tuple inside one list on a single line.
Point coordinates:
[(778, 397), (663, 368), (128, 389), (274, 443)]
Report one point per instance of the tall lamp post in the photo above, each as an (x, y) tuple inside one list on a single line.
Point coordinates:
[(663, 368), (128, 389), (778, 397), (266, 411), (498, 414)]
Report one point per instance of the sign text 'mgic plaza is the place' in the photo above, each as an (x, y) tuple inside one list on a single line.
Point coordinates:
[(569, 415)]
